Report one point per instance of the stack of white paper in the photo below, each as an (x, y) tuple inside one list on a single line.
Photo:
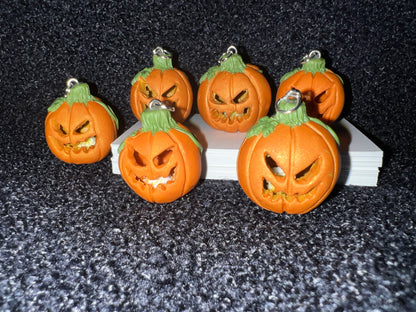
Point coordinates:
[(361, 158)]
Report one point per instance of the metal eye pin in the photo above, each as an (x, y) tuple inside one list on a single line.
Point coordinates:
[(162, 53), (313, 55), (156, 104), (230, 51), (70, 83), (294, 97)]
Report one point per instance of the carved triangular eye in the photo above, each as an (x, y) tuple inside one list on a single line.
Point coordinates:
[(84, 127), (140, 160), (170, 92), (146, 90), (163, 158), (274, 167), (59, 128), (62, 129), (241, 97), (217, 98), (305, 172), (320, 97)]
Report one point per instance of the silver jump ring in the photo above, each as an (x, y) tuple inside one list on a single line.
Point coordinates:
[(313, 55), (162, 53), (294, 97), (230, 51), (156, 104), (70, 83)]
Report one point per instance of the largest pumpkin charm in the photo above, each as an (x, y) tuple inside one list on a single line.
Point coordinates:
[(233, 95), (160, 162), (162, 82), (289, 162), (322, 89), (79, 127)]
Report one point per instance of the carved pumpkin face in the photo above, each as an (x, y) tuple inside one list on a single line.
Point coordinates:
[(234, 101), (293, 169), (322, 89), (165, 83), (80, 133), (160, 166)]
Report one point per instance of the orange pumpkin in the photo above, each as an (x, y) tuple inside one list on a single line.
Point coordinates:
[(322, 89), (289, 162), (162, 82), (79, 128), (160, 162), (233, 95)]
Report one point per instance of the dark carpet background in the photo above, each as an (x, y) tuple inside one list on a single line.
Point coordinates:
[(75, 238)]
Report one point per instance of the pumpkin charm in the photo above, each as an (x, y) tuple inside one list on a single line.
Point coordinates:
[(79, 127), (322, 89), (233, 95), (161, 161), (289, 162), (162, 82)]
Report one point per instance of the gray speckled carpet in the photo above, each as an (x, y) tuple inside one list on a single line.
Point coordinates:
[(76, 238)]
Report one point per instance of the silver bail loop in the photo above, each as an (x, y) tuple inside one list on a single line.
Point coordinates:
[(156, 104), (230, 51), (294, 97), (313, 55), (160, 52), (70, 83)]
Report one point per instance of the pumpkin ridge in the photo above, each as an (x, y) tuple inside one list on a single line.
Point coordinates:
[(262, 94), (333, 151), (92, 116), (289, 74), (182, 152)]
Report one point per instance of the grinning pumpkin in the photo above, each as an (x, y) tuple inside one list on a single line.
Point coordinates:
[(233, 95), (289, 162), (162, 82), (79, 127), (322, 89), (160, 162)]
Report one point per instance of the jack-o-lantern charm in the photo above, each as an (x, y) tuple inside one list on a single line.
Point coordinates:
[(162, 82), (161, 162), (79, 127), (322, 89), (233, 95), (289, 162)]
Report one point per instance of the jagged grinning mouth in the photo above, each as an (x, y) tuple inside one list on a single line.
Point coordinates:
[(269, 191), (160, 181), (85, 145), (223, 117)]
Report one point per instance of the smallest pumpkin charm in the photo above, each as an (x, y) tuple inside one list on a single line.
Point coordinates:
[(161, 161), (322, 89), (233, 95), (289, 162), (79, 127), (162, 82)]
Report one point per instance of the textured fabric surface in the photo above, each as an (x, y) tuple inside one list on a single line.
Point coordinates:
[(76, 238)]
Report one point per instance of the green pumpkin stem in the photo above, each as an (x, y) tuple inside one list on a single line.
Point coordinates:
[(161, 120), (314, 66), (311, 66), (266, 125), (162, 63), (80, 93), (233, 64)]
